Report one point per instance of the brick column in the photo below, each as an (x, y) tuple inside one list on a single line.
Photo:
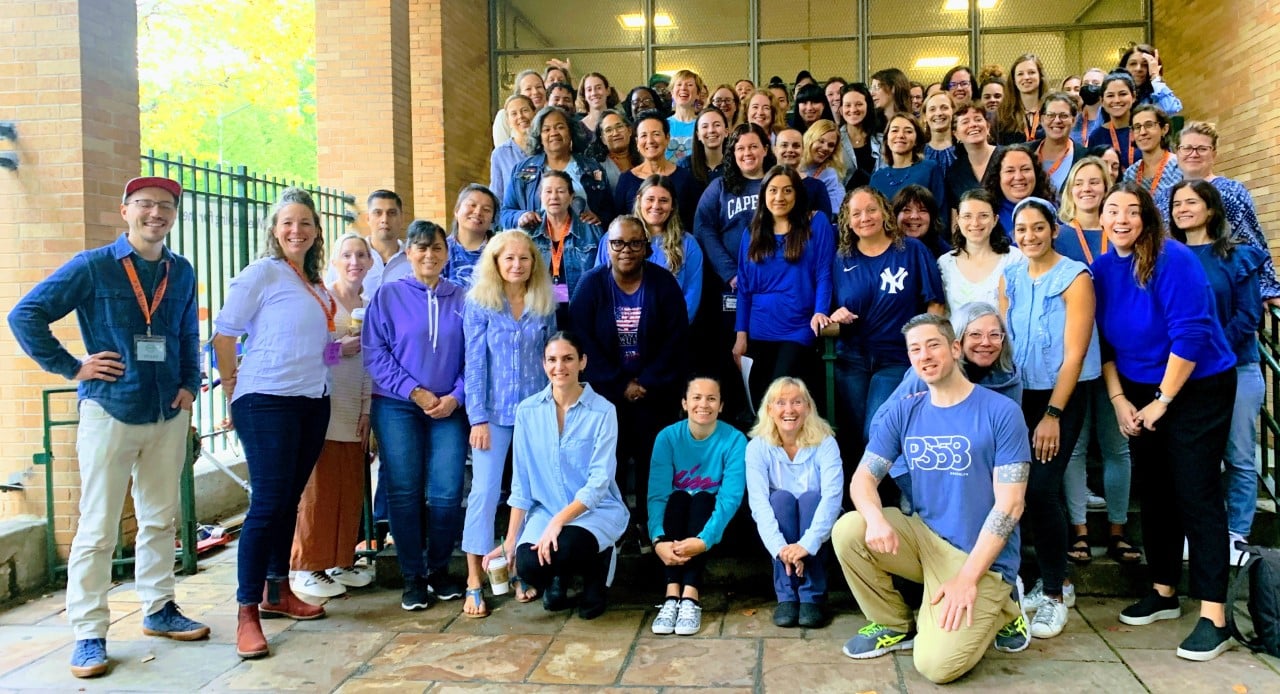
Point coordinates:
[(69, 79), (362, 97)]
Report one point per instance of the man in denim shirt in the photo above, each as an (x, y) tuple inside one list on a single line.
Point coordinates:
[(136, 304)]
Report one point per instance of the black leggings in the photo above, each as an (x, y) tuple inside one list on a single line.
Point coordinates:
[(578, 553), (685, 517), (1044, 512), (772, 360)]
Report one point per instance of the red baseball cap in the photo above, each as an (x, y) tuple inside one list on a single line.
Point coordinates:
[(168, 184)]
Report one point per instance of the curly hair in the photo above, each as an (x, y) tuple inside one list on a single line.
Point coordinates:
[(991, 180), (847, 240), (313, 261)]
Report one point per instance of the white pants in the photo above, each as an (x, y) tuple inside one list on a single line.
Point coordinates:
[(111, 452)]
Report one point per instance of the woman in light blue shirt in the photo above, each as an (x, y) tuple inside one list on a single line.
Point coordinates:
[(794, 483), (508, 317), (1048, 303), (566, 510)]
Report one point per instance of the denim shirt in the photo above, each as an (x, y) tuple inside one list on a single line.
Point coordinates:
[(550, 469), (581, 247), (95, 286), (522, 191), (1037, 320), (504, 360)]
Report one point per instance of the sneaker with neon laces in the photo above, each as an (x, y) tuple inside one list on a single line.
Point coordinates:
[(665, 622), (1015, 636), (89, 658), (875, 640), (170, 623), (1035, 598), (352, 576), (316, 584), (689, 619), (1050, 619)]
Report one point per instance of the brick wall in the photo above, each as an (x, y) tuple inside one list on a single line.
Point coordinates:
[(363, 119), (68, 78), (1223, 60)]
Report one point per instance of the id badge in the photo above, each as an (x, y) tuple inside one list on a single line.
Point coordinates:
[(148, 348), (332, 353), (560, 292), (729, 302)]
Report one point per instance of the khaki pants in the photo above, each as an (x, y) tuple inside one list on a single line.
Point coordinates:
[(923, 557), (111, 452)]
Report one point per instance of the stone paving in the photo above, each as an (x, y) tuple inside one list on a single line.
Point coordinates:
[(368, 644)]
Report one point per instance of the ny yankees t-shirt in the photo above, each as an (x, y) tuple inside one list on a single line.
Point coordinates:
[(952, 453), (884, 292)]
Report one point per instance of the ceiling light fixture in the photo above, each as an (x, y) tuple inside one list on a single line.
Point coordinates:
[(938, 62), (963, 5), (661, 20)]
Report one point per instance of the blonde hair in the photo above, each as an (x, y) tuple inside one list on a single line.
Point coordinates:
[(672, 232), (1200, 127), (348, 236), (814, 430), (487, 288), (1067, 211), (779, 116), (819, 128)]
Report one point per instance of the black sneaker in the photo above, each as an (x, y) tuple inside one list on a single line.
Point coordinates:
[(1153, 607), (445, 587), (554, 598), (416, 595), (1206, 641), (811, 615)]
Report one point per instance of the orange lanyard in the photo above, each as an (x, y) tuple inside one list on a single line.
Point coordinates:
[(1084, 244), (147, 311), (1155, 180), (1034, 120), (557, 244), (1084, 129), (1115, 142), (1061, 158), (329, 311)]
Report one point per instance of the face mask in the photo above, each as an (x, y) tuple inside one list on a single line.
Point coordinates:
[(1090, 94)]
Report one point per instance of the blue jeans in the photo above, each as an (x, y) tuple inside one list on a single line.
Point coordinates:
[(425, 458), (863, 382), (486, 487), (282, 437), (794, 516), (1241, 476), (1100, 423)]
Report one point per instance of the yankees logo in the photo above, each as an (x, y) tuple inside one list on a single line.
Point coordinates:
[(942, 453), (893, 282)]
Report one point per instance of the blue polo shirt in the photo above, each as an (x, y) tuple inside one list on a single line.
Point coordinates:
[(95, 286)]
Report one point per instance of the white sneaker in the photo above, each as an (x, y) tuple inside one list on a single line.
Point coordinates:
[(316, 584), (1036, 597), (1093, 501), (665, 622), (1050, 618), (689, 619), (352, 576), (1235, 556)]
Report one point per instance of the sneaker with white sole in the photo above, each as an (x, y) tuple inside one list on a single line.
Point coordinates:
[(1050, 619), (665, 622), (1014, 637), (1094, 501), (352, 576), (875, 640), (1205, 642), (689, 619), (316, 584), (1153, 607), (1036, 597), (1235, 556)]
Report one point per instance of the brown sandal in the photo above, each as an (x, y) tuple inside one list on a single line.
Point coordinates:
[(1080, 552), (1122, 550)]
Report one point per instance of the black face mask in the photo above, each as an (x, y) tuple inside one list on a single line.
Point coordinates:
[(1090, 94)]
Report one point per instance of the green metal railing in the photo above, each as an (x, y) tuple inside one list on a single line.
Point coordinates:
[(1268, 425)]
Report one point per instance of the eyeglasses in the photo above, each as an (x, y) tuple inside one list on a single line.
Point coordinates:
[(1145, 126), (957, 85), (641, 103), (1198, 150), (1057, 116), (614, 129), (992, 337), (722, 101), (635, 245), (144, 204)]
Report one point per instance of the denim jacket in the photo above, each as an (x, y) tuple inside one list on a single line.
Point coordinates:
[(95, 286), (504, 360), (1037, 320), (580, 250), (522, 193)]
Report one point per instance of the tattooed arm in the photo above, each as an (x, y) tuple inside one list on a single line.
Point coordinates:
[(959, 593), (872, 468)]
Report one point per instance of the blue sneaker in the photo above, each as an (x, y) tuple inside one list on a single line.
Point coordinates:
[(171, 624), (89, 658), (875, 640)]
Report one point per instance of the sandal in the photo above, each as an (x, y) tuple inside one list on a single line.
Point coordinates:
[(1122, 550), (475, 597), (524, 591), (1080, 552)]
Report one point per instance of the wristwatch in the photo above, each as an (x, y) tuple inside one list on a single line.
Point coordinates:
[(1051, 411), (1161, 397)]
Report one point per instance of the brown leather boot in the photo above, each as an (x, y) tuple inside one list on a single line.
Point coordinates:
[(278, 600), (250, 641)]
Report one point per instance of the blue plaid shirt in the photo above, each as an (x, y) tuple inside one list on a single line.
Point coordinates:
[(95, 286)]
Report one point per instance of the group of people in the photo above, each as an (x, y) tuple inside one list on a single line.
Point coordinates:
[(1006, 285)]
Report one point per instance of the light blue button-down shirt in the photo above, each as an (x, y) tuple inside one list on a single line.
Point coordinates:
[(504, 360), (550, 470), (815, 469)]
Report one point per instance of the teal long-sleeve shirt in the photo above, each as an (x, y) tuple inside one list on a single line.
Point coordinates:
[(716, 464)]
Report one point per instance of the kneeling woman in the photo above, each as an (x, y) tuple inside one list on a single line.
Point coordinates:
[(794, 485), (566, 510), (696, 482)]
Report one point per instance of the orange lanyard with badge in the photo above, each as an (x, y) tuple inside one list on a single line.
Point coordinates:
[(1155, 180), (332, 350), (147, 347), (1033, 124), (1084, 244), (1115, 142), (560, 289), (1063, 157)]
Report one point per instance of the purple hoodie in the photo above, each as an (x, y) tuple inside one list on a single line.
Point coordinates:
[(413, 337)]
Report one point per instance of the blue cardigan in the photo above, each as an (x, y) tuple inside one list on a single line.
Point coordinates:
[(522, 190), (664, 328), (776, 297)]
